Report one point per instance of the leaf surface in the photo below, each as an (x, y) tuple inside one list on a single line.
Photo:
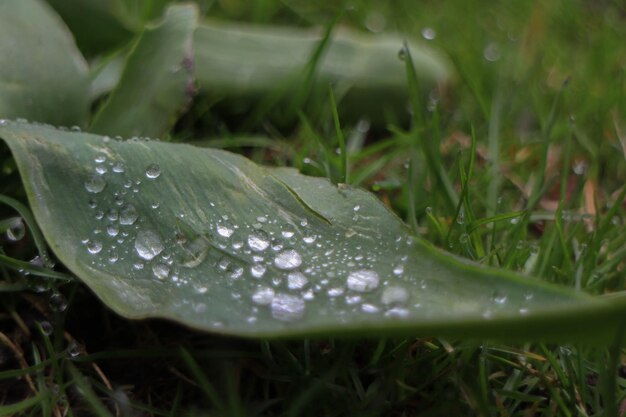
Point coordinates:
[(214, 241), (43, 76), (156, 83)]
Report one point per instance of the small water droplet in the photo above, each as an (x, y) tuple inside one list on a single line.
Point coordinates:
[(257, 270), (402, 53), (195, 252), (95, 184), (153, 171), (258, 242), (492, 52), (499, 298), (113, 230), (46, 327), (356, 208), (225, 230), (296, 280), (429, 210), (57, 302), (16, 230), (463, 238), (394, 295), (235, 272), (148, 244), (397, 312), (335, 291), (429, 33), (398, 269), (128, 215), (369, 308), (94, 247), (100, 158), (287, 307), (161, 271), (118, 168), (363, 280), (309, 239), (287, 234), (263, 296), (288, 259)]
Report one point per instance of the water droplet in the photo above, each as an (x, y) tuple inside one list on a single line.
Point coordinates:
[(402, 53), (161, 271), (353, 299), (112, 230), (225, 230), (309, 239), (94, 247), (95, 184), (100, 158), (363, 280), (288, 259), (369, 308), (287, 234), (118, 168), (128, 215), (263, 296), (398, 269), (196, 252), (464, 238), (356, 208), (148, 244), (16, 230), (296, 280), (101, 170), (429, 210), (235, 272), (257, 270), (514, 220), (73, 349), (397, 312), (258, 242), (429, 33), (394, 295), (499, 298), (153, 171), (492, 52), (335, 291), (57, 302), (46, 327), (287, 307)]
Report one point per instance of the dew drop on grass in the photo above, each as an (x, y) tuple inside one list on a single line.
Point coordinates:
[(263, 296), (118, 168), (287, 307), (46, 327), (112, 230), (100, 158), (57, 302), (398, 269), (148, 244), (225, 230), (153, 171), (258, 242), (161, 271), (287, 234), (296, 280), (288, 259), (394, 295), (95, 184), (499, 298), (16, 230), (73, 349), (363, 280), (429, 33)]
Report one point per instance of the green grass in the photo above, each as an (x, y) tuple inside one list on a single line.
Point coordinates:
[(518, 165)]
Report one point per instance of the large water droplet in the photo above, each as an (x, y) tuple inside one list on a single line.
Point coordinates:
[(95, 184), (363, 280), (196, 252), (225, 230), (161, 271), (94, 247), (287, 307), (57, 302), (148, 244), (16, 230), (296, 280), (288, 259), (263, 296), (394, 295), (128, 215), (153, 171), (258, 242)]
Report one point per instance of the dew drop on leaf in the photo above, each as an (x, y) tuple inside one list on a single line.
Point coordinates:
[(363, 280), (95, 184), (288, 259), (161, 271), (57, 302), (94, 247), (258, 242), (148, 244), (296, 280), (128, 215), (225, 230), (153, 171), (263, 296), (394, 295), (287, 307)]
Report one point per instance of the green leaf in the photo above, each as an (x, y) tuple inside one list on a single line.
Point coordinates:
[(98, 25), (157, 81), (43, 76), (216, 242), (240, 60)]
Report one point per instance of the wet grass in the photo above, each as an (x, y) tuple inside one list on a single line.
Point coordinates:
[(519, 165)]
